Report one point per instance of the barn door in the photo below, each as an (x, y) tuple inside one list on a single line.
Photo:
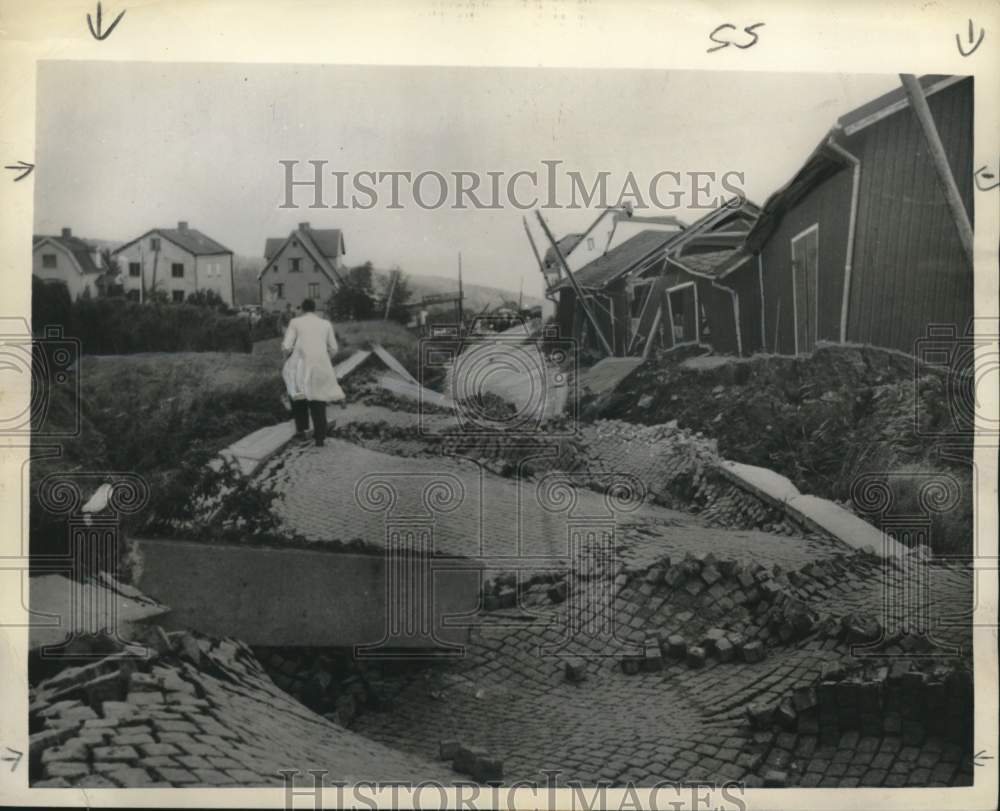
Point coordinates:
[(805, 277)]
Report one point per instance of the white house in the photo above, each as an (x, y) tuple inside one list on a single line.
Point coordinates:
[(305, 264), (68, 260), (179, 261)]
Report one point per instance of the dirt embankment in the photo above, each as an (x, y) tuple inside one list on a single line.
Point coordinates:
[(831, 422)]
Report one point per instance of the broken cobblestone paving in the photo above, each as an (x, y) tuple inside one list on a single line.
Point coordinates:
[(720, 640)]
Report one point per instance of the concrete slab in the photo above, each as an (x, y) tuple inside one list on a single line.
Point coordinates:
[(606, 374), (766, 484), (61, 607), (267, 596), (389, 360), (348, 365), (390, 381), (256, 448), (824, 515)]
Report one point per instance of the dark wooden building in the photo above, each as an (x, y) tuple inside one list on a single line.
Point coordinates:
[(605, 284), (711, 289), (860, 245)]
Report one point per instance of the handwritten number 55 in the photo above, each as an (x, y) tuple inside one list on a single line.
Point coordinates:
[(720, 36)]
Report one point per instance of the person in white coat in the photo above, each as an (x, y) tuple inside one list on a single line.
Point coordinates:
[(309, 345)]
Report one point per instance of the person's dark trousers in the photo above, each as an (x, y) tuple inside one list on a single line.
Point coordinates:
[(317, 409), (302, 410)]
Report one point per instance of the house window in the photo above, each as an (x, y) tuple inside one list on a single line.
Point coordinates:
[(133, 269), (133, 295), (314, 290), (177, 295), (48, 260), (296, 265), (315, 267), (279, 290), (177, 270), (154, 243)]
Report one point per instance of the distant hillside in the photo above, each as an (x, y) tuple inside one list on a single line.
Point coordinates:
[(477, 296), (245, 270)]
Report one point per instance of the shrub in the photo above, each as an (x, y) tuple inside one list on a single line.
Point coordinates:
[(116, 326)]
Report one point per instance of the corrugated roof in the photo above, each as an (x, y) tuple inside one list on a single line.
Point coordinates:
[(708, 263), (81, 250), (621, 259)]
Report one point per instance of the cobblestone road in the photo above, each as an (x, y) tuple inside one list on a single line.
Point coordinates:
[(332, 493)]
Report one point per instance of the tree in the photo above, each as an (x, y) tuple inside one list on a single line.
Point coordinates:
[(398, 284), (355, 299)]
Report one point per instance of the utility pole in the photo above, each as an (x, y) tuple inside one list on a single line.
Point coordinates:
[(951, 195), (461, 310), (393, 276), (576, 287)]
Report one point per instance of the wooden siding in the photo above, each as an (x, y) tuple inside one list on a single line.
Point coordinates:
[(909, 268), (829, 204)]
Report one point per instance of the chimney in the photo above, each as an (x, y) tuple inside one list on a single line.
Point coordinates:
[(67, 232), (182, 225), (303, 226)]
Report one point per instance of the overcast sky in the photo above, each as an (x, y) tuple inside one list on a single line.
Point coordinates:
[(125, 147)]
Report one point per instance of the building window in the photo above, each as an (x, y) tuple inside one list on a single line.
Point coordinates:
[(133, 269), (296, 265), (279, 290), (178, 295), (133, 295), (177, 270), (315, 267), (48, 260), (590, 243), (314, 290), (154, 243)]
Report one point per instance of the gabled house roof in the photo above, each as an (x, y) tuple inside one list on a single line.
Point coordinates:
[(713, 246), (189, 239), (891, 102), (620, 260), (80, 249), (829, 156), (324, 246)]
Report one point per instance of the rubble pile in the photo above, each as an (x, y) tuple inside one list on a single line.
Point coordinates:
[(678, 466), (329, 681), (192, 711)]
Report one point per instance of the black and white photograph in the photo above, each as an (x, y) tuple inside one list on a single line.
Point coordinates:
[(466, 429)]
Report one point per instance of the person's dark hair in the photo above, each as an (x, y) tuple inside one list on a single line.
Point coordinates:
[(308, 305)]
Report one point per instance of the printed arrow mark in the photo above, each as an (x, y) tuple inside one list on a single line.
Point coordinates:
[(24, 168), (975, 43), (98, 34), (983, 172)]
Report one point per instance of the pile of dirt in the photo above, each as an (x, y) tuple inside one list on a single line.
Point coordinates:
[(829, 421)]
